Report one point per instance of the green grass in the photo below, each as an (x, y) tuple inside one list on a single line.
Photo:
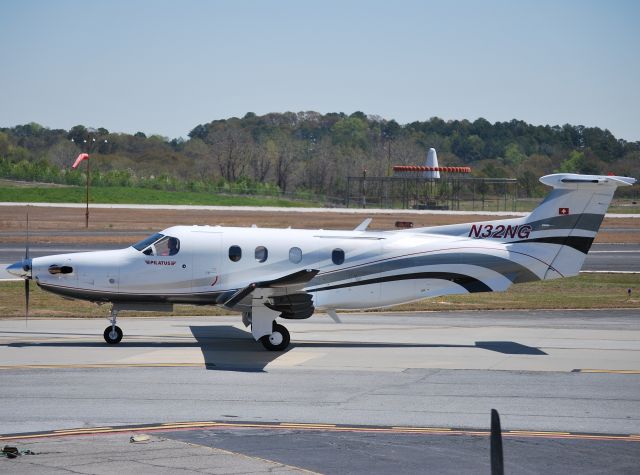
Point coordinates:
[(587, 291), (126, 195), (45, 193)]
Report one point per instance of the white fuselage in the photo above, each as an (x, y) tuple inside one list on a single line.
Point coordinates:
[(378, 268)]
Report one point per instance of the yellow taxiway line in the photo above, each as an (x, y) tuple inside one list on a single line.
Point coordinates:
[(173, 426), (7, 367), (103, 365), (609, 371)]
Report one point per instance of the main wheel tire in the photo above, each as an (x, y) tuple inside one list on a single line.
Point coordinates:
[(278, 340), (112, 335)]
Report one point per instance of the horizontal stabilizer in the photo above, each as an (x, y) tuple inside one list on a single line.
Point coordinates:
[(571, 180)]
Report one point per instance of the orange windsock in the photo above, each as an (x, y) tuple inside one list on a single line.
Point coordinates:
[(82, 156)]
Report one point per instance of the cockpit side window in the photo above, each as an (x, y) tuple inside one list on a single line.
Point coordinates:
[(159, 245), (167, 246)]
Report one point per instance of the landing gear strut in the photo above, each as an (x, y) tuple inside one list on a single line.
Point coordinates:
[(274, 337), (113, 333), (278, 340)]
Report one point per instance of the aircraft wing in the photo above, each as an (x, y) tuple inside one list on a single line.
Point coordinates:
[(284, 294)]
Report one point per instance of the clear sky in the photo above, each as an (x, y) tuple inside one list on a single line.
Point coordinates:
[(163, 67)]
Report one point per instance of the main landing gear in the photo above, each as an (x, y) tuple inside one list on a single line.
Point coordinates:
[(278, 340), (113, 333), (273, 336)]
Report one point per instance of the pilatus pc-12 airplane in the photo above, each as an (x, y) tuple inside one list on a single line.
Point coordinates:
[(289, 273)]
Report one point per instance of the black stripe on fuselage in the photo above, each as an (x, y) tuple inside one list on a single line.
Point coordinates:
[(204, 298), (579, 243), (517, 273), (471, 284), (582, 221)]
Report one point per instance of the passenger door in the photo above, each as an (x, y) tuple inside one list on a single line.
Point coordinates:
[(206, 274)]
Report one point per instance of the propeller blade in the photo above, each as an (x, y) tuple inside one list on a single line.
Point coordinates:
[(26, 249), (26, 302), (26, 280)]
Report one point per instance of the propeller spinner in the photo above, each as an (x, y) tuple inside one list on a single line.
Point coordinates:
[(21, 269)]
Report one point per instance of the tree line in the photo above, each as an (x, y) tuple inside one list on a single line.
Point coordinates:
[(311, 152)]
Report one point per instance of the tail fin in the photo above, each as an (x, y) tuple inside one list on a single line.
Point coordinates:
[(568, 219), (432, 161), (555, 237)]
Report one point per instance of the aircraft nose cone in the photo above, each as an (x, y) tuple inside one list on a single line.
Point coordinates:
[(20, 269)]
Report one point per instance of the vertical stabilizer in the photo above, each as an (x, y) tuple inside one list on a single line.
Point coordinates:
[(432, 161), (564, 225), (554, 239)]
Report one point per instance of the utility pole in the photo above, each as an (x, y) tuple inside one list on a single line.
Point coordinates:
[(364, 187)]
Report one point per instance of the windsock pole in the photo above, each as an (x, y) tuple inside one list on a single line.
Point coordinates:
[(82, 157), (86, 214)]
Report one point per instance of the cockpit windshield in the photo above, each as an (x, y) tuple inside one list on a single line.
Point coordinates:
[(146, 241), (158, 245)]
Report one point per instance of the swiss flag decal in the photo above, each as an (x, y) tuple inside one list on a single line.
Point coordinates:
[(563, 211)]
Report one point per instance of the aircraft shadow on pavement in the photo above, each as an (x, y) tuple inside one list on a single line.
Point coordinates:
[(215, 339), (227, 348), (224, 347), (504, 347)]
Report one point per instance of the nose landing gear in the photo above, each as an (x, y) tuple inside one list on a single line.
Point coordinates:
[(113, 333)]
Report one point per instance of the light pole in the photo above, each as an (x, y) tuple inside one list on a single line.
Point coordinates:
[(364, 187)]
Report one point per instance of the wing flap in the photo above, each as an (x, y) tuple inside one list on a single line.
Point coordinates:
[(297, 279)]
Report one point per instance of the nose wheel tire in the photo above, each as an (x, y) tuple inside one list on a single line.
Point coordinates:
[(112, 335), (278, 340)]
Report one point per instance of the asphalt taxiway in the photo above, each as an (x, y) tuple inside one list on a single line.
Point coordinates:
[(372, 391), (223, 447), (392, 369)]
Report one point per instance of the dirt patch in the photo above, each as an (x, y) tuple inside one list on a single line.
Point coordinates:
[(124, 226), (31, 184)]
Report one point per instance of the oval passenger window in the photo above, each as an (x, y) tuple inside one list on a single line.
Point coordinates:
[(261, 253), (295, 255), (235, 253), (337, 256)]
